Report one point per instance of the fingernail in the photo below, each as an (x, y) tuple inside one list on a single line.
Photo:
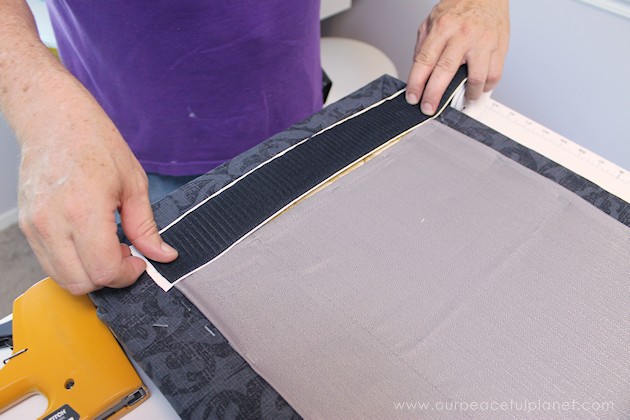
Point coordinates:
[(167, 249), (411, 98), (427, 109)]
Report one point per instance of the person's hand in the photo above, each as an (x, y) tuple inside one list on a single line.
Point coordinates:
[(475, 32), (76, 168), (76, 171)]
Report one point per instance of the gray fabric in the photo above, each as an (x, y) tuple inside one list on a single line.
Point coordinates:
[(439, 272), (186, 357), (189, 364)]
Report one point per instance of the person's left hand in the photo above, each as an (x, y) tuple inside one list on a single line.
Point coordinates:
[(475, 32)]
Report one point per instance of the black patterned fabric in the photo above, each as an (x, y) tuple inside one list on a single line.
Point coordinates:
[(183, 353)]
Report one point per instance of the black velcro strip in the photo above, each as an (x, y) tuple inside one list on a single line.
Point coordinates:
[(217, 224)]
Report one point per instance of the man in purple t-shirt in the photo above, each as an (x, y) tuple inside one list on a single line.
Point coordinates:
[(173, 89)]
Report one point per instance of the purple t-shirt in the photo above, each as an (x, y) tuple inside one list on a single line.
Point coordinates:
[(191, 84)]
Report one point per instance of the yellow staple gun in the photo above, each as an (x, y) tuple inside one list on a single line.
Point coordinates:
[(64, 352)]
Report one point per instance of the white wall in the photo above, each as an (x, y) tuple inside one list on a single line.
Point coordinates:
[(568, 66), (9, 164)]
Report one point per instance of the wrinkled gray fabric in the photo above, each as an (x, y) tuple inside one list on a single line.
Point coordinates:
[(439, 272)]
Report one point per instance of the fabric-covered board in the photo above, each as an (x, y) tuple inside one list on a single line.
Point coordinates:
[(440, 270)]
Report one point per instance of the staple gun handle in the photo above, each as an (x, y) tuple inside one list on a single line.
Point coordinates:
[(13, 388), (64, 352)]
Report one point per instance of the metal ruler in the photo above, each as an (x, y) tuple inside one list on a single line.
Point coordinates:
[(552, 145)]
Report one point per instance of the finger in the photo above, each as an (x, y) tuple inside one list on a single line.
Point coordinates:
[(428, 49), (442, 75), (478, 68), (126, 251), (55, 252), (495, 71), (139, 226), (62, 263), (102, 255)]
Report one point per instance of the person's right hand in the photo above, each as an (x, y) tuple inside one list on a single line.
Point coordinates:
[(76, 168), (76, 171), (475, 32)]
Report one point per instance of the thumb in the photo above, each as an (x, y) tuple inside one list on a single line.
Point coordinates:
[(139, 226)]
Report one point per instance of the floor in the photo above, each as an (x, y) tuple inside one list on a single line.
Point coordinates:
[(19, 268)]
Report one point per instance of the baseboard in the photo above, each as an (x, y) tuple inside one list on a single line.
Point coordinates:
[(8, 218)]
